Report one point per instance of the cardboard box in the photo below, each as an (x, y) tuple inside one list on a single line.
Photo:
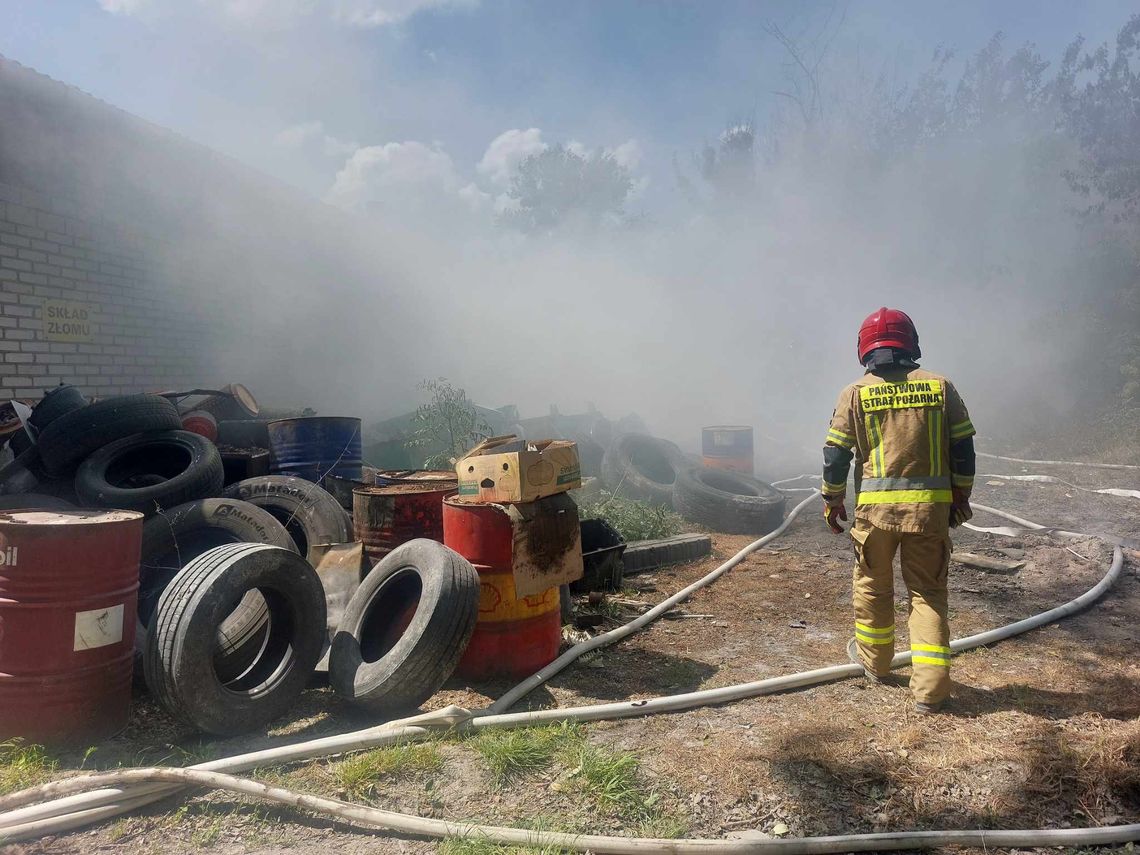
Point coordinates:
[(506, 469), (546, 549)]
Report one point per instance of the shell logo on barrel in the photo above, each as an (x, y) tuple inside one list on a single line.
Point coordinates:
[(497, 601)]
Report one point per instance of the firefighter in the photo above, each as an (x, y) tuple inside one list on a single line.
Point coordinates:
[(912, 441)]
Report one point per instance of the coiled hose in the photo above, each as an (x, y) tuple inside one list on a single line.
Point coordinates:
[(75, 803)]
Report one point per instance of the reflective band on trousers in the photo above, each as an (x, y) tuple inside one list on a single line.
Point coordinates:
[(931, 654), (912, 497), (920, 482), (875, 635)]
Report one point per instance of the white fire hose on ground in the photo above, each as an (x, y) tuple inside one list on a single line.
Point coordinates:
[(64, 805)]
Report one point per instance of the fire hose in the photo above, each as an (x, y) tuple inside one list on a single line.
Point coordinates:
[(82, 800)]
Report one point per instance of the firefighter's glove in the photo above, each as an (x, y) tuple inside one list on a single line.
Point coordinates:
[(834, 509), (960, 510)]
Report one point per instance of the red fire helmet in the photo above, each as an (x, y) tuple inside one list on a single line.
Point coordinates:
[(888, 328)]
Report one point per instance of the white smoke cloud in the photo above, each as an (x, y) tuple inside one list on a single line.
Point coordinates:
[(309, 134), (506, 151), (405, 172), (351, 13)]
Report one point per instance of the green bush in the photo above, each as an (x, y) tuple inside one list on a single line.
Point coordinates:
[(634, 520)]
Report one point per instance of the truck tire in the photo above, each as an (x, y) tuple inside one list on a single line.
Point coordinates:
[(75, 435), (171, 540), (179, 663), (151, 471), (726, 501), (310, 514), (406, 628), (642, 467)]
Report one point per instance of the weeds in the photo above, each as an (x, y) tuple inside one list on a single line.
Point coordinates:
[(633, 520), (358, 775), (23, 766), (512, 753), (482, 846)]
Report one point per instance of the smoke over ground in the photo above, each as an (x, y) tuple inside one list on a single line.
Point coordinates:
[(735, 302)]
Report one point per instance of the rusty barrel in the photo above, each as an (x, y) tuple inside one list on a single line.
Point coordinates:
[(387, 516), (728, 447), (68, 591), (513, 637)]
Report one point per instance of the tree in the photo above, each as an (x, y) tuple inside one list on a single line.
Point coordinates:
[(558, 187), (1104, 116), (447, 426)]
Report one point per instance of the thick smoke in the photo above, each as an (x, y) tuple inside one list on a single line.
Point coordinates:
[(736, 302)]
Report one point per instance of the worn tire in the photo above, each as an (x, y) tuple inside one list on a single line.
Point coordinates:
[(23, 474), (171, 540), (75, 435), (642, 467), (20, 442), (406, 628), (187, 466), (310, 514), (641, 556), (179, 663), (55, 403), (27, 501), (729, 502)]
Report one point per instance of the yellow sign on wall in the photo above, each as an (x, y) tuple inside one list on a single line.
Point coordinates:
[(67, 321)]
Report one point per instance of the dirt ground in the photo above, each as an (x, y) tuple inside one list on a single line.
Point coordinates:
[(1042, 730)]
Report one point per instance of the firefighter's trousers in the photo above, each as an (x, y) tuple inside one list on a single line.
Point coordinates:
[(925, 561)]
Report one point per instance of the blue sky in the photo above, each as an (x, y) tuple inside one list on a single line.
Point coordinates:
[(236, 74)]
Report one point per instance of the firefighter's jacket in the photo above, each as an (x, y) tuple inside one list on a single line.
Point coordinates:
[(911, 439)]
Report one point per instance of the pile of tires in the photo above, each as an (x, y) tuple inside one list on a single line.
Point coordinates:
[(131, 453)]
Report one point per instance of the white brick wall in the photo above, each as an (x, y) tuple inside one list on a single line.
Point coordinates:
[(150, 320)]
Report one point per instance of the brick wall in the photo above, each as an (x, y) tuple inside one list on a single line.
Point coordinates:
[(148, 326)]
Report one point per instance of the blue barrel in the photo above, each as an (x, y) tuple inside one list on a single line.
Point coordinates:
[(314, 447)]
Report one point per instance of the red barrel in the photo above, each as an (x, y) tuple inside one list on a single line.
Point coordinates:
[(202, 423), (385, 517), (68, 590), (513, 637), (728, 447)]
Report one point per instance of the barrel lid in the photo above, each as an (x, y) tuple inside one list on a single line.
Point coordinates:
[(244, 398), (406, 487), (78, 517)]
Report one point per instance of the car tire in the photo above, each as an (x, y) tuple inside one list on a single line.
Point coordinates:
[(406, 628), (151, 471), (72, 437)]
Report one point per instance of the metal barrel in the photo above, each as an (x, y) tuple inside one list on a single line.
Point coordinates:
[(237, 403), (387, 516), (201, 422), (514, 637), (728, 447), (414, 476), (314, 447), (68, 593)]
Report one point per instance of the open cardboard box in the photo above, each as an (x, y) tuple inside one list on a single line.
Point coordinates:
[(508, 469)]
